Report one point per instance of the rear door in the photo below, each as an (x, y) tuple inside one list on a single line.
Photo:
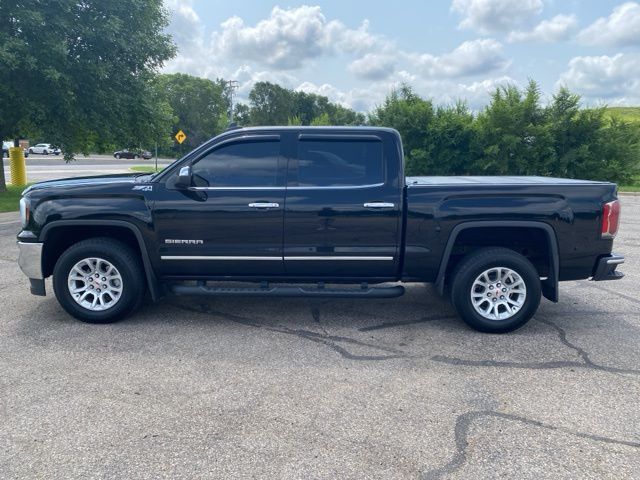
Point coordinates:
[(343, 207)]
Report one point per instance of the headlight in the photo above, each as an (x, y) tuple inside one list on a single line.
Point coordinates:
[(25, 211)]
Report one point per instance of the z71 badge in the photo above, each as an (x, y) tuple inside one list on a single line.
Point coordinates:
[(143, 188)]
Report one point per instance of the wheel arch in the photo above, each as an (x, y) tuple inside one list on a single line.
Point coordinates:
[(549, 285), (64, 233)]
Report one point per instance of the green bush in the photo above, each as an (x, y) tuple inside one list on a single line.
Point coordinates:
[(515, 134)]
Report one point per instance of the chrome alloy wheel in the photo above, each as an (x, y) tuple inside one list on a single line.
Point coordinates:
[(498, 293), (95, 284)]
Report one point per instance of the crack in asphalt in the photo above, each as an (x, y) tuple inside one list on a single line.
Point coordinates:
[(562, 335), (461, 433), (332, 341), (315, 313), (316, 337)]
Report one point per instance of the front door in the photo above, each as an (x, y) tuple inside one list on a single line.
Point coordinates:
[(343, 208), (229, 223)]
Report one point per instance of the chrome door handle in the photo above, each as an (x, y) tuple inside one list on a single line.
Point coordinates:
[(264, 205), (379, 205)]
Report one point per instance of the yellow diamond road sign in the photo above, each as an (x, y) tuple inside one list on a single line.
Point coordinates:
[(181, 136)]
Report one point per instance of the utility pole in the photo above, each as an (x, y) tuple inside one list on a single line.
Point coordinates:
[(232, 86)]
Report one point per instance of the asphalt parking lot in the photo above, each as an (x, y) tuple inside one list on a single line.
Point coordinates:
[(308, 388)]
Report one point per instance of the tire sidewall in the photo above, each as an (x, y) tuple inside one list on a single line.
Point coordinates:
[(132, 285), (461, 293)]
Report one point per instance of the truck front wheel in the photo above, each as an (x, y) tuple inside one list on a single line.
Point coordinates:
[(99, 280), (495, 290)]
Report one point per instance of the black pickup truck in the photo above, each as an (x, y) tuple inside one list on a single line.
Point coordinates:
[(314, 211)]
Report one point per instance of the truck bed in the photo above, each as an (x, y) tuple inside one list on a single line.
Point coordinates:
[(572, 208)]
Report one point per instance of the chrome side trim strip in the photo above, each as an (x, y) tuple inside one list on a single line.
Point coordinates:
[(291, 187), (222, 257), (334, 257), (307, 258), (197, 189), (335, 187)]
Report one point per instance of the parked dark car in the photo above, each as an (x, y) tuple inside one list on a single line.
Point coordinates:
[(286, 206), (126, 154), (135, 154)]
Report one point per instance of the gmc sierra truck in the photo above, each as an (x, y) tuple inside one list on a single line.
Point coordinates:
[(314, 211)]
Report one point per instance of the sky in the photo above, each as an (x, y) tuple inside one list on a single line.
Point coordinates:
[(355, 52)]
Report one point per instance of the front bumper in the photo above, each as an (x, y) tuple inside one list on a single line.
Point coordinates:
[(606, 268), (30, 262)]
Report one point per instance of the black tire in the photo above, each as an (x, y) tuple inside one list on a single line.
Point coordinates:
[(125, 260), (472, 266), (135, 157), (117, 155), (45, 152), (31, 151)]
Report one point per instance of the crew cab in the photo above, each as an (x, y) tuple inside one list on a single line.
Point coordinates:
[(314, 211)]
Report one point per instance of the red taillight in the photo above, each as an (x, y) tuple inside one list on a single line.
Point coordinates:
[(610, 219)]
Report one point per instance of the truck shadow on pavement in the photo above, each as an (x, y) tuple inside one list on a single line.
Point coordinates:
[(380, 320)]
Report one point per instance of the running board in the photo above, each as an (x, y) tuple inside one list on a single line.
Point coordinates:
[(287, 291)]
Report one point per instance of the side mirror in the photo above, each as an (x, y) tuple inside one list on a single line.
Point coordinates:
[(184, 178)]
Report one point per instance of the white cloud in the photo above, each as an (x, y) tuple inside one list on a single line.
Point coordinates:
[(290, 37), (615, 78), (489, 16), (290, 45), (285, 40), (554, 29), (373, 66), (441, 91), (470, 58), (360, 99), (621, 28)]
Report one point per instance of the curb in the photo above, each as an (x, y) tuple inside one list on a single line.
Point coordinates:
[(629, 194)]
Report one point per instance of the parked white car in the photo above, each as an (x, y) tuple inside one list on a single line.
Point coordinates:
[(6, 145), (44, 149)]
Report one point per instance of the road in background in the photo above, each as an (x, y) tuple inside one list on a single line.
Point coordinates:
[(195, 387), (50, 167)]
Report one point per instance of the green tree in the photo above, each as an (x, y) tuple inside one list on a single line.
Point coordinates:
[(412, 116), (514, 134), (451, 141), (242, 114), (77, 73), (590, 144), (271, 104), (321, 120), (274, 105), (199, 105)]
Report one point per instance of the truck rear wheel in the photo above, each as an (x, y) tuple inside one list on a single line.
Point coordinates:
[(495, 290), (99, 280)]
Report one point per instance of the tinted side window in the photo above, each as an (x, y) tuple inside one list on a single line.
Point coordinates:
[(242, 164), (326, 163)]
